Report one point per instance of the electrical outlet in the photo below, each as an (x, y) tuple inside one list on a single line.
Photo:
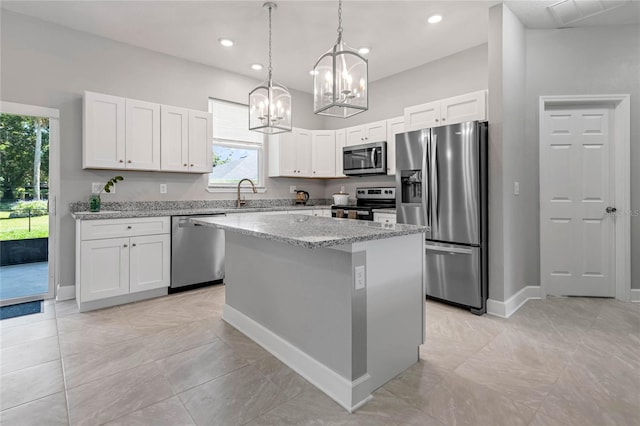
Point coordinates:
[(360, 278), (342, 189), (292, 189), (96, 187), (516, 188), (163, 188)]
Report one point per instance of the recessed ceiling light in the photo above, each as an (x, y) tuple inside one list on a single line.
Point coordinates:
[(226, 42), (256, 67), (363, 50), (434, 19)]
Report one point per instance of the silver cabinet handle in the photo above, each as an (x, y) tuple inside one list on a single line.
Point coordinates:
[(610, 210)]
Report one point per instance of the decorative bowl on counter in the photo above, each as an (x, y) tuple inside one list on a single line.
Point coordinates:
[(340, 199)]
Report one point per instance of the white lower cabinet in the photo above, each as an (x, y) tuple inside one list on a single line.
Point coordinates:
[(134, 258)]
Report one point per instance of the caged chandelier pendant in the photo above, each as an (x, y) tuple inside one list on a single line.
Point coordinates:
[(340, 79), (270, 102)]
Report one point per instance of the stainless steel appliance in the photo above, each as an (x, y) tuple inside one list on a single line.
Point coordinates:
[(365, 159), (441, 182), (197, 254), (367, 200)]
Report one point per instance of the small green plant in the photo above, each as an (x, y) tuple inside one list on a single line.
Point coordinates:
[(111, 182)]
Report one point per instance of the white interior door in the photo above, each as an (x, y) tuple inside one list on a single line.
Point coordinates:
[(577, 234)]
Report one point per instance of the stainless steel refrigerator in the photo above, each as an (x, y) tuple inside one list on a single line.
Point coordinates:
[(441, 182)]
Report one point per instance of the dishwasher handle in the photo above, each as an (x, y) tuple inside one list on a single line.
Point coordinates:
[(185, 223)]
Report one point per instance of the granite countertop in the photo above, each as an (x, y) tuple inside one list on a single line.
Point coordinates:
[(124, 214), (309, 231)]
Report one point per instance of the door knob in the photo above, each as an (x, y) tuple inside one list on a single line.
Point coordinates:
[(611, 210)]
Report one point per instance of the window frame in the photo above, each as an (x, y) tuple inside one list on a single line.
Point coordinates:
[(239, 144)]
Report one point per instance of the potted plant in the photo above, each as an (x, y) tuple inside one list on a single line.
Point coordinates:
[(94, 199)]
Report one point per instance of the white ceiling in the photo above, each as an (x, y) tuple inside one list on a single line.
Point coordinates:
[(396, 31)]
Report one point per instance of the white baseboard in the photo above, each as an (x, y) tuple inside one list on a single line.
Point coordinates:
[(508, 308), (635, 295), (65, 292), (335, 386)]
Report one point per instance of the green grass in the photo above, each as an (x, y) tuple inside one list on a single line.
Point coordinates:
[(18, 229)]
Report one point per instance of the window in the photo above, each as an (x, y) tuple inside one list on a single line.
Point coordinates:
[(238, 153)]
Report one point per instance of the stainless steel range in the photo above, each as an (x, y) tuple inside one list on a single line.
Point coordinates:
[(367, 200)]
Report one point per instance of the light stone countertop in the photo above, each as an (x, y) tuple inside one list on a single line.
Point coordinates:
[(309, 231), (387, 210), (125, 214)]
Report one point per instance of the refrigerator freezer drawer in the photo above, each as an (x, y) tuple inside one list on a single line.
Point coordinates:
[(453, 273)]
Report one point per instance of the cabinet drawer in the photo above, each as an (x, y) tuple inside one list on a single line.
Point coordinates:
[(384, 217), (115, 228)]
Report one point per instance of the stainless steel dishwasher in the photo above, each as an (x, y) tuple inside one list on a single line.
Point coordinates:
[(197, 253)]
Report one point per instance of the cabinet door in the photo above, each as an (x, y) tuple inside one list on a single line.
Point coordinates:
[(142, 135), (355, 135), (288, 160), (104, 268), (422, 116), (149, 260), (174, 130), (394, 126), (303, 152), (468, 107), (323, 153), (103, 138), (341, 139), (376, 131), (200, 139)]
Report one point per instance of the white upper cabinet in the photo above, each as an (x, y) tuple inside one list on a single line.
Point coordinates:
[(394, 127), (175, 139), (128, 134), (200, 139), (365, 133), (142, 140), (422, 116), (341, 140), (458, 109), (103, 131), (290, 154), (323, 153)]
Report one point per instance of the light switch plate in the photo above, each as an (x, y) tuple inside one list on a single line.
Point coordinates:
[(360, 277), (292, 189), (96, 187), (163, 188), (516, 188)]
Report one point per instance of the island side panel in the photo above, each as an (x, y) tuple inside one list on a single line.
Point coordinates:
[(302, 295), (395, 305)]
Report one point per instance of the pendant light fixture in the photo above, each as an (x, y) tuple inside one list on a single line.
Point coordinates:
[(270, 102), (340, 79)]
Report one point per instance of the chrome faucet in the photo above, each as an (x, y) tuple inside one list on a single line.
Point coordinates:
[(243, 202)]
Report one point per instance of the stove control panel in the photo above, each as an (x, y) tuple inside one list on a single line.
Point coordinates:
[(378, 193)]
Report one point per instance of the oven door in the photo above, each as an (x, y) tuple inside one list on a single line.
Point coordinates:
[(370, 158)]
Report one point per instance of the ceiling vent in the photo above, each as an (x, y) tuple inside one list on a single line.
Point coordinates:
[(571, 11)]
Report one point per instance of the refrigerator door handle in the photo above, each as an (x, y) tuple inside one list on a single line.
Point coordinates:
[(426, 194), (433, 187), (448, 250)]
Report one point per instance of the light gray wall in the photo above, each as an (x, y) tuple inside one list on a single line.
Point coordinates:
[(598, 60), (507, 244), (463, 72), (49, 65)]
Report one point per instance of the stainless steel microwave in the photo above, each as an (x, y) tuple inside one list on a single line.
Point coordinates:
[(365, 159)]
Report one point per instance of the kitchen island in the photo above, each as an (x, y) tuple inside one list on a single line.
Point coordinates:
[(339, 301)]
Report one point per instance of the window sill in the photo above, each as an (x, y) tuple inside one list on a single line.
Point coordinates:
[(234, 189)]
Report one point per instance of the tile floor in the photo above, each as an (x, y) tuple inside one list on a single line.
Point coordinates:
[(173, 361)]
